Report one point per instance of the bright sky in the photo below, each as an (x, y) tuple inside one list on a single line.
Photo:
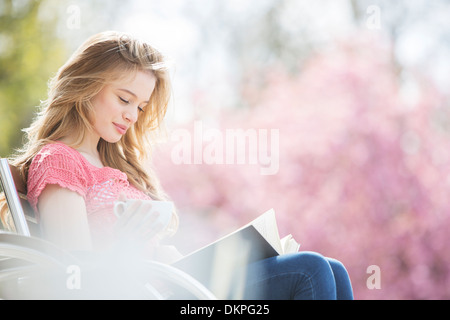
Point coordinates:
[(166, 25)]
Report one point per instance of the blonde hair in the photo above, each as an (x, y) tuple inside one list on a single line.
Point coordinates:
[(103, 58)]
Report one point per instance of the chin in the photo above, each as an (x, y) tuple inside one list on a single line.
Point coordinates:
[(112, 139)]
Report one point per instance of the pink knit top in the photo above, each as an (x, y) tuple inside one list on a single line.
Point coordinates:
[(60, 164)]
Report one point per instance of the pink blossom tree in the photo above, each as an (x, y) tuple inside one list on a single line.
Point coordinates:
[(363, 171)]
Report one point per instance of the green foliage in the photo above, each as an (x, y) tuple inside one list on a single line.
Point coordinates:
[(30, 54)]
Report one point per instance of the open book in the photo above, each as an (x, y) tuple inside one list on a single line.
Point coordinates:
[(221, 264), (266, 225)]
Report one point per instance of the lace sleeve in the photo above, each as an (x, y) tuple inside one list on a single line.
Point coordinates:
[(54, 164)]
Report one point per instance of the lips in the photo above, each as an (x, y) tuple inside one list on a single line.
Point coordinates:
[(120, 128)]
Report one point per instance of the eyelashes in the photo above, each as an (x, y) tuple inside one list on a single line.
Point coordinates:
[(128, 102), (124, 101)]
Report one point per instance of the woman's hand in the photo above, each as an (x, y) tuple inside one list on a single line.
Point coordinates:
[(137, 222)]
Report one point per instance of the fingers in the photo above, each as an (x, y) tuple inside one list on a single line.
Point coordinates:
[(139, 222), (150, 228), (127, 215)]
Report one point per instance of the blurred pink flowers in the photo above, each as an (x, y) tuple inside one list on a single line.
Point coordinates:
[(363, 170)]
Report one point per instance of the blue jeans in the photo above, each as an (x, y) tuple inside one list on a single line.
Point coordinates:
[(303, 275)]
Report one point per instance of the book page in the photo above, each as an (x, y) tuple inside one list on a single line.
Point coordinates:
[(266, 225), (289, 244), (213, 264)]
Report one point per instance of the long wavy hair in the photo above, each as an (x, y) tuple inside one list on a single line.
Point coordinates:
[(102, 59)]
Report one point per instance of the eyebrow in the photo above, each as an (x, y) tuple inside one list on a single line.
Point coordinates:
[(132, 93)]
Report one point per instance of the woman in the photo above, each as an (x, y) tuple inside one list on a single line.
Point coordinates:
[(85, 150), (86, 147)]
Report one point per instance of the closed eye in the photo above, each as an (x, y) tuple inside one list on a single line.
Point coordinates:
[(128, 102), (123, 100)]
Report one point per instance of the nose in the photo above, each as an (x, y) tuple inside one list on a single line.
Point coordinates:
[(130, 115)]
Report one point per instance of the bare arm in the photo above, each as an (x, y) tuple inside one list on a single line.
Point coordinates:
[(63, 218), (63, 221)]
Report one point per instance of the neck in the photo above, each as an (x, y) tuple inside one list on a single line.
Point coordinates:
[(88, 148)]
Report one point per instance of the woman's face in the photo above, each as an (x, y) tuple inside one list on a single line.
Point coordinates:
[(118, 105)]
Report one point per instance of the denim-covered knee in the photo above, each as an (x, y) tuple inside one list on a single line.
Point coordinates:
[(302, 275), (342, 278), (337, 266), (313, 261), (317, 281)]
